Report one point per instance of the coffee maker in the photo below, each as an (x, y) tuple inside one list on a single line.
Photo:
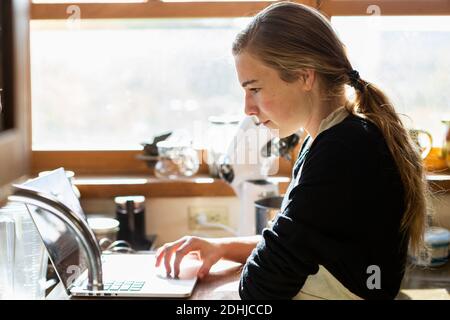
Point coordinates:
[(251, 158)]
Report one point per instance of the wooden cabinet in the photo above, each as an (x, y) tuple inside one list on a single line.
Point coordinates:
[(15, 145)]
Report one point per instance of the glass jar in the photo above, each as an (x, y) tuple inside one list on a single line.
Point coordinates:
[(221, 130), (176, 160), (446, 144)]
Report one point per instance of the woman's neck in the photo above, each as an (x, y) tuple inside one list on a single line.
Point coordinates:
[(322, 109)]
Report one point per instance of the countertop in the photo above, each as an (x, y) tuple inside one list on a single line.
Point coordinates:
[(222, 284)]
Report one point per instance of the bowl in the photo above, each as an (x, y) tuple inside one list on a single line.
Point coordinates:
[(104, 228)]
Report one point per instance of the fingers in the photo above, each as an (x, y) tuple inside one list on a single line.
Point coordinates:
[(159, 255), (167, 257), (204, 269), (183, 250), (165, 253), (180, 247)]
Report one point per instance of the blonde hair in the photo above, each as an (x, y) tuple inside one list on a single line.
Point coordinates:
[(289, 36)]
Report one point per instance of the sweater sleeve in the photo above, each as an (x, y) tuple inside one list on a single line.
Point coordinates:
[(309, 232)]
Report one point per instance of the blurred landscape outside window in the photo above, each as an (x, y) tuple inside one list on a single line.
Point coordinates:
[(408, 57), (112, 84)]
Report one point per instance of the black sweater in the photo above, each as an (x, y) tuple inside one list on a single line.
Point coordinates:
[(344, 214)]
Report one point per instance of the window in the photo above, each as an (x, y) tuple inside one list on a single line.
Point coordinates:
[(66, 84), (408, 57), (112, 84)]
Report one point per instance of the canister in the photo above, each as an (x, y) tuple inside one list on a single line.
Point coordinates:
[(437, 240)]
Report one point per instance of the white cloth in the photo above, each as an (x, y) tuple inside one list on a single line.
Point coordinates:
[(324, 286)]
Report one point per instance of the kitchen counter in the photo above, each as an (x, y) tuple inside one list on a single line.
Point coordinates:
[(431, 283), (222, 284)]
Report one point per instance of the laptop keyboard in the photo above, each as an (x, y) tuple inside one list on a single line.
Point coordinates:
[(123, 285)]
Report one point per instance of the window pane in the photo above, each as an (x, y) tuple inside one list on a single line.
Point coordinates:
[(112, 84), (408, 57)]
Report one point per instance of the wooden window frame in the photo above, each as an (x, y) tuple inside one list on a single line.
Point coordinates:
[(126, 162), (158, 9)]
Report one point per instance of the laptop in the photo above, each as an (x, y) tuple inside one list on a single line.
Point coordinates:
[(124, 275)]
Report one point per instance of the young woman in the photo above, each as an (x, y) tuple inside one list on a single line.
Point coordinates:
[(356, 201)]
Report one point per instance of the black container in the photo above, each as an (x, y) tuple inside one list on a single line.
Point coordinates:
[(130, 212)]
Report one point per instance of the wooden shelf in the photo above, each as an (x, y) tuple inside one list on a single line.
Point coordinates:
[(439, 182), (198, 186)]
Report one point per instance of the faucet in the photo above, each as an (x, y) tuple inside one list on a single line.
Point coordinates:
[(79, 226)]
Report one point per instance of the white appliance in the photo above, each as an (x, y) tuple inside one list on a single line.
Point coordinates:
[(249, 192), (246, 169)]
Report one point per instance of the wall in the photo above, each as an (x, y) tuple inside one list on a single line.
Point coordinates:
[(15, 143), (168, 217), (441, 207)]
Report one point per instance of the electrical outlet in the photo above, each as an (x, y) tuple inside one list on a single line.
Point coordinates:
[(217, 215)]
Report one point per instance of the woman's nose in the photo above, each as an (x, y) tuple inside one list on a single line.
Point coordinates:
[(251, 108)]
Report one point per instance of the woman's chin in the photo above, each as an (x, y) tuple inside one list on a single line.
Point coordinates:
[(267, 124), (284, 133)]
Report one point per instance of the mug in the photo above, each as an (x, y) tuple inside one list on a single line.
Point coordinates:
[(423, 140), (104, 227)]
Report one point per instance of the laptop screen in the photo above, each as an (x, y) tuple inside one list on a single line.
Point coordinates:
[(62, 245)]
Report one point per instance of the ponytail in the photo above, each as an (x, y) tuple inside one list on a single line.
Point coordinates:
[(371, 103)]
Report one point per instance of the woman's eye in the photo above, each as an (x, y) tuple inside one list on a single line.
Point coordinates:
[(255, 90)]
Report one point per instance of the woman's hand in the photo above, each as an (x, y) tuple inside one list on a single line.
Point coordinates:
[(210, 252)]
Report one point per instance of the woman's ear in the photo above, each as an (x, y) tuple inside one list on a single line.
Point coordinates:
[(307, 78)]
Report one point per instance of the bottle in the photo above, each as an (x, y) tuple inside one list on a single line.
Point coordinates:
[(446, 144)]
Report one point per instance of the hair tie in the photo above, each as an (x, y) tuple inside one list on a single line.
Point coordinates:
[(353, 75)]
